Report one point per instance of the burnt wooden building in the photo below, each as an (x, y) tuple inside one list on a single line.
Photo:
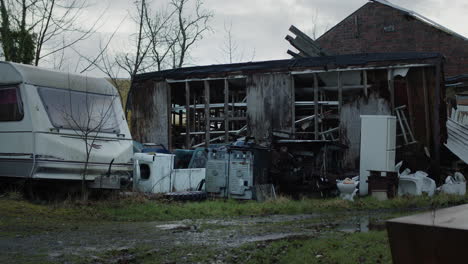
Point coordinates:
[(298, 103)]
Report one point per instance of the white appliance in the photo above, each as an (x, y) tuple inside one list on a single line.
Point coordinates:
[(216, 172), (378, 143), (155, 173), (241, 174)]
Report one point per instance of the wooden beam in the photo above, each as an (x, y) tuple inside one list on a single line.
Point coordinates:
[(170, 116), (296, 55), (181, 113), (409, 96), (305, 44), (316, 106), (364, 74), (237, 118), (226, 111), (436, 120), (187, 115), (293, 105), (391, 89), (207, 113), (340, 93), (426, 109)]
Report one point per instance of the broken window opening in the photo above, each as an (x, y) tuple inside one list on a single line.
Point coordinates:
[(216, 112), (11, 107)]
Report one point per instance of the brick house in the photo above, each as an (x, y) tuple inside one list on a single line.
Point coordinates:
[(380, 26)]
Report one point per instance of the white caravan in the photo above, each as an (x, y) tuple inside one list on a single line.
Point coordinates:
[(45, 117)]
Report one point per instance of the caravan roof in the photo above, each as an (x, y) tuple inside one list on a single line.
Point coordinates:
[(13, 73)]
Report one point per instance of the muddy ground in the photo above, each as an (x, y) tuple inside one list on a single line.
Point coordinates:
[(186, 241)]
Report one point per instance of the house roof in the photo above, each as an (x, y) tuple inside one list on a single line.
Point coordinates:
[(406, 11), (340, 61), (420, 18)]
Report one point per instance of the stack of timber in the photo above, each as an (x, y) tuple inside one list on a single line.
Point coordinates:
[(306, 46)]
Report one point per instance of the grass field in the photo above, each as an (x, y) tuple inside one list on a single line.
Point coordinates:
[(142, 209)]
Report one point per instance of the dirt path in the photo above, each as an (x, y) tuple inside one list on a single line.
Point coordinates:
[(89, 241)]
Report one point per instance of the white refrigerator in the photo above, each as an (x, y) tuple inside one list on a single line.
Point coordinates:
[(378, 143)]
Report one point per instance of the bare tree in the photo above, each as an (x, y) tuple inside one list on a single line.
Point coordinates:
[(35, 29), (88, 115), (160, 28), (190, 28), (230, 47), (316, 30), (163, 38)]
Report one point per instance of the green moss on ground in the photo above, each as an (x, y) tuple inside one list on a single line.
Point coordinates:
[(337, 247), (148, 254), (333, 247)]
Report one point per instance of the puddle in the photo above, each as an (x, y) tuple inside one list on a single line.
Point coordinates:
[(272, 237), (363, 223), (173, 227)]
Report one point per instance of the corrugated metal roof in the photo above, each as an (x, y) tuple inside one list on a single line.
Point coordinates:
[(340, 61), (420, 18), (457, 141)]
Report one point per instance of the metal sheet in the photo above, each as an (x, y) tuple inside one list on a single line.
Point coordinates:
[(457, 141), (216, 172), (241, 175)]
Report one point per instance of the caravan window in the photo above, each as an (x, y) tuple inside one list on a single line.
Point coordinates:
[(11, 108), (80, 110)]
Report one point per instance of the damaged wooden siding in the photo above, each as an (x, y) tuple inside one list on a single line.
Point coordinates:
[(350, 123), (150, 117), (270, 99)]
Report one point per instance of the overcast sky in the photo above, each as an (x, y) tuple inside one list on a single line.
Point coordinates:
[(260, 26)]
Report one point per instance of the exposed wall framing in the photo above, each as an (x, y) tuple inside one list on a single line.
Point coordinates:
[(207, 111)]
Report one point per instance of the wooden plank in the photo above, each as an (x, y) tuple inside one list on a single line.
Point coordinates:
[(181, 113), (436, 120), (296, 55), (237, 118), (199, 133), (426, 109), (195, 121), (316, 106), (302, 45), (226, 111), (335, 88), (293, 105), (340, 93), (269, 102), (158, 125), (409, 96), (364, 74), (187, 115), (391, 89), (207, 113), (170, 114), (305, 42)]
